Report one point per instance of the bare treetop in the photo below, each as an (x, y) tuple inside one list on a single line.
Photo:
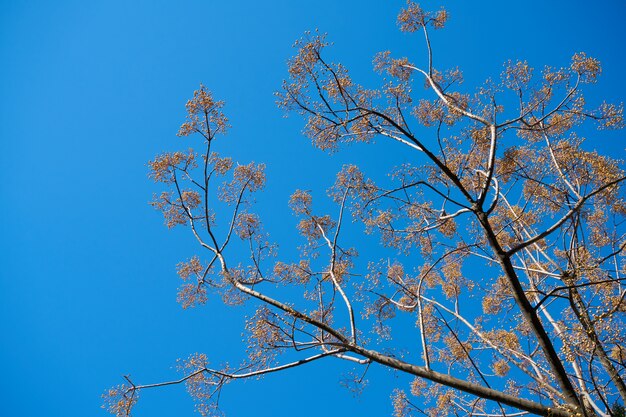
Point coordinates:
[(509, 235)]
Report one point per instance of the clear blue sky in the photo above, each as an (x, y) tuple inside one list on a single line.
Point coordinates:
[(91, 90)]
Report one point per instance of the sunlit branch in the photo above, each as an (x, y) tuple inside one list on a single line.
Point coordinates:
[(280, 305), (332, 246), (399, 139), (563, 219), (467, 354), (557, 165), (491, 159), (445, 99), (559, 106), (469, 387), (420, 312), (496, 191), (546, 296), (239, 375), (545, 116), (416, 183), (234, 216), (191, 219), (538, 376), (444, 168)]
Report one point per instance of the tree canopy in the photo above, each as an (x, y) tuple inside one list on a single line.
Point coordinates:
[(501, 241)]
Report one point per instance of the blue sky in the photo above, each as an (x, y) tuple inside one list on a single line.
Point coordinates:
[(91, 90)]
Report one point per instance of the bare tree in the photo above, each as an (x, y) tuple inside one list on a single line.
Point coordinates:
[(503, 204)]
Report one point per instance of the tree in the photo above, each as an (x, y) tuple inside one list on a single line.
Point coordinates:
[(503, 204)]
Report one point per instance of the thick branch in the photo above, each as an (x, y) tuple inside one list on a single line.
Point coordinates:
[(463, 385)]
